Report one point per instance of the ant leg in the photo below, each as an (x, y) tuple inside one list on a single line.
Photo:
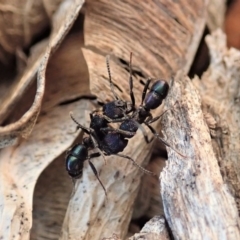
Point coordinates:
[(110, 79), (131, 83), (156, 118), (95, 170), (145, 89), (128, 133), (91, 115), (151, 120), (125, 133), (148, 121), (115, 120), (86, 130), (79, 126), (136, 164), (162, 140), (94, 111), (74, 187), (96, 145), (145, 134)]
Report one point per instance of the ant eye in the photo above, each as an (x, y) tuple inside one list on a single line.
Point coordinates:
[(161, 88)]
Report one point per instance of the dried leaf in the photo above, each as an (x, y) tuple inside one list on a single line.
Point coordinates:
[(61, 24), (22, 164), (21, 22)]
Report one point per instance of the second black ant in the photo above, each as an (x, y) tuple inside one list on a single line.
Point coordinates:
[(119, 110)]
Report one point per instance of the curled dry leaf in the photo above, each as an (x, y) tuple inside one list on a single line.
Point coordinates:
[(21, 22), (67, 73), (163, 37), (21, 165), (61, 24)]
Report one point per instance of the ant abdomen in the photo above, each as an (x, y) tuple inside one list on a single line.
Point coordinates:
[(152, 100), (129, 125), (157, 93), (74, 160), (160, 87), (114, 143)]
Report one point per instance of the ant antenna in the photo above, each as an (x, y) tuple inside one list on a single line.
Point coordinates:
[(86, 130), (110, 79), (136, 164), (74, 187), (131, 83), (97, 175), (163, 141)]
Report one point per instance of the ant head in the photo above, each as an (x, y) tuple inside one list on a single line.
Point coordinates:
[(75, 159)]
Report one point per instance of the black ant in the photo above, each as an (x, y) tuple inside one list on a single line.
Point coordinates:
[(119, 110), (110, 143)]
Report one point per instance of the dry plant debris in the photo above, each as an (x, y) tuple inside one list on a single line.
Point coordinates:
[(219, 89), (22, 164), (200, 193)]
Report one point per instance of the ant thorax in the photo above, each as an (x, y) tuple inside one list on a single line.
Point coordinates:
[(143, 113), (115, 109)]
